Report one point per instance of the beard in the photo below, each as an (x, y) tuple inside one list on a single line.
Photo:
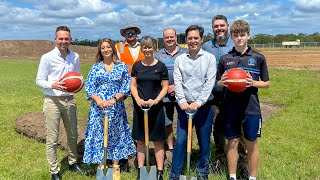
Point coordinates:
[(222, 37)]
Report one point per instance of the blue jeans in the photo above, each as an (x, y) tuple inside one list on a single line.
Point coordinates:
[(202, 121)]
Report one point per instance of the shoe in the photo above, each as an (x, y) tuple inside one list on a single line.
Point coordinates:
[(116, 172), (124, 165), (159, 174), (231, 178), (55, 176), (243, 173), (76, 168)]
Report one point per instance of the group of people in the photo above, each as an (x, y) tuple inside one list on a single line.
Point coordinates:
[(192, 79)]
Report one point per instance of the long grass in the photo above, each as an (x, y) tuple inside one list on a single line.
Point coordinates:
[(288, 148)]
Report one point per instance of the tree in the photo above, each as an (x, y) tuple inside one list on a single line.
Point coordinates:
[(263, 39)]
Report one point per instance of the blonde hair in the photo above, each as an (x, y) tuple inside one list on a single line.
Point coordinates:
[(148, 41)]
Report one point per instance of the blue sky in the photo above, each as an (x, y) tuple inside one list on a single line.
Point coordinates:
[(94, 19)]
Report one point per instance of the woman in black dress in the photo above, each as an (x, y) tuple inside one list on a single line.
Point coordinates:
[(149, 84)]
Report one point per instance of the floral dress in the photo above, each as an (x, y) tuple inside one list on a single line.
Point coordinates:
[(106, 86)]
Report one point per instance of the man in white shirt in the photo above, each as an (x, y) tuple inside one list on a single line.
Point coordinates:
[(194, 75), (57, 102)]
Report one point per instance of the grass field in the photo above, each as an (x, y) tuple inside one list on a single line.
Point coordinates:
[(288, 148)]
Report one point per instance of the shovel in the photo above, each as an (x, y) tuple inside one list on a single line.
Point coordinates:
[(188, 177), (105, 173), (147, 173)]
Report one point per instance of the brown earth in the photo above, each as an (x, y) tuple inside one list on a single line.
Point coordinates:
[(33, 49), (293, 59)]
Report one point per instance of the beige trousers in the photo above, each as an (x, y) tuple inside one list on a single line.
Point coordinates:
[(54, 108)]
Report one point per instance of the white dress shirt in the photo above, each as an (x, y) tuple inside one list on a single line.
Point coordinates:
[(52, 66), (194, 78)]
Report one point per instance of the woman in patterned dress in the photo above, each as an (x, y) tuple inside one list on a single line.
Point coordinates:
[(149, 84), (107, 84)]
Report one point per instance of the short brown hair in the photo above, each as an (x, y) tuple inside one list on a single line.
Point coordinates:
[(240, 26), (220, 17), (62, 28), (194, 28)]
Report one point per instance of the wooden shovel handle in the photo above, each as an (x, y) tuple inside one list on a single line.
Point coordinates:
[(189, 135), (146, 128), (106, 125)]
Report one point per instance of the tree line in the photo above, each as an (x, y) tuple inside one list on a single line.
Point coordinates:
[(257, 39)]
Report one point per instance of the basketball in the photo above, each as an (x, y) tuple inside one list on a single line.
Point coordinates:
[(236, 80), (73, 81)]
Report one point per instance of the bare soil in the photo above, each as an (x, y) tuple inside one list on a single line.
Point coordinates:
[(293, 59), (33, 49)]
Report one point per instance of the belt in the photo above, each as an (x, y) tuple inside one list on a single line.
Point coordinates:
[(61, 98)]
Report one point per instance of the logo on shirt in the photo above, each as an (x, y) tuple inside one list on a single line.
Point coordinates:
[(230, 63), (251, 62)]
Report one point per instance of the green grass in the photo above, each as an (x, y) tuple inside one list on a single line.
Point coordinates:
[(288, 147)]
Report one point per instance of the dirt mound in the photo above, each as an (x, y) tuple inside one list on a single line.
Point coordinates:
[(33, 125), (34, 49)]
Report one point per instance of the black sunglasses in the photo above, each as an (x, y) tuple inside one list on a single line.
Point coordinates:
[(133, 32)]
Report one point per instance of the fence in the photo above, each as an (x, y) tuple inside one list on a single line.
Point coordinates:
[(279, 45)]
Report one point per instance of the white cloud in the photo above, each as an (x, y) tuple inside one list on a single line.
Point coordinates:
[(73, 8), (307, 5), (143, 10), (91, 19), (84, 21), (108, 18)]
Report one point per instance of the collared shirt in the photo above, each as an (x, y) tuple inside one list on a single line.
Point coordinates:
[(164, 56), (252, 62), (53, 66), (134, 50), (218, 50), (194, 78)]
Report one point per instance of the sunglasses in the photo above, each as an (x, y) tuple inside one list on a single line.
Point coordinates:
[(133, 32)]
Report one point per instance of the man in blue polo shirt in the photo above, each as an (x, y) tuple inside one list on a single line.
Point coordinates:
[(220, 45), (167, 55)]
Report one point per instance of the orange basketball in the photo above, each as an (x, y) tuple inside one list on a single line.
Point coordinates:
[(236, 80), (73, 81)]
